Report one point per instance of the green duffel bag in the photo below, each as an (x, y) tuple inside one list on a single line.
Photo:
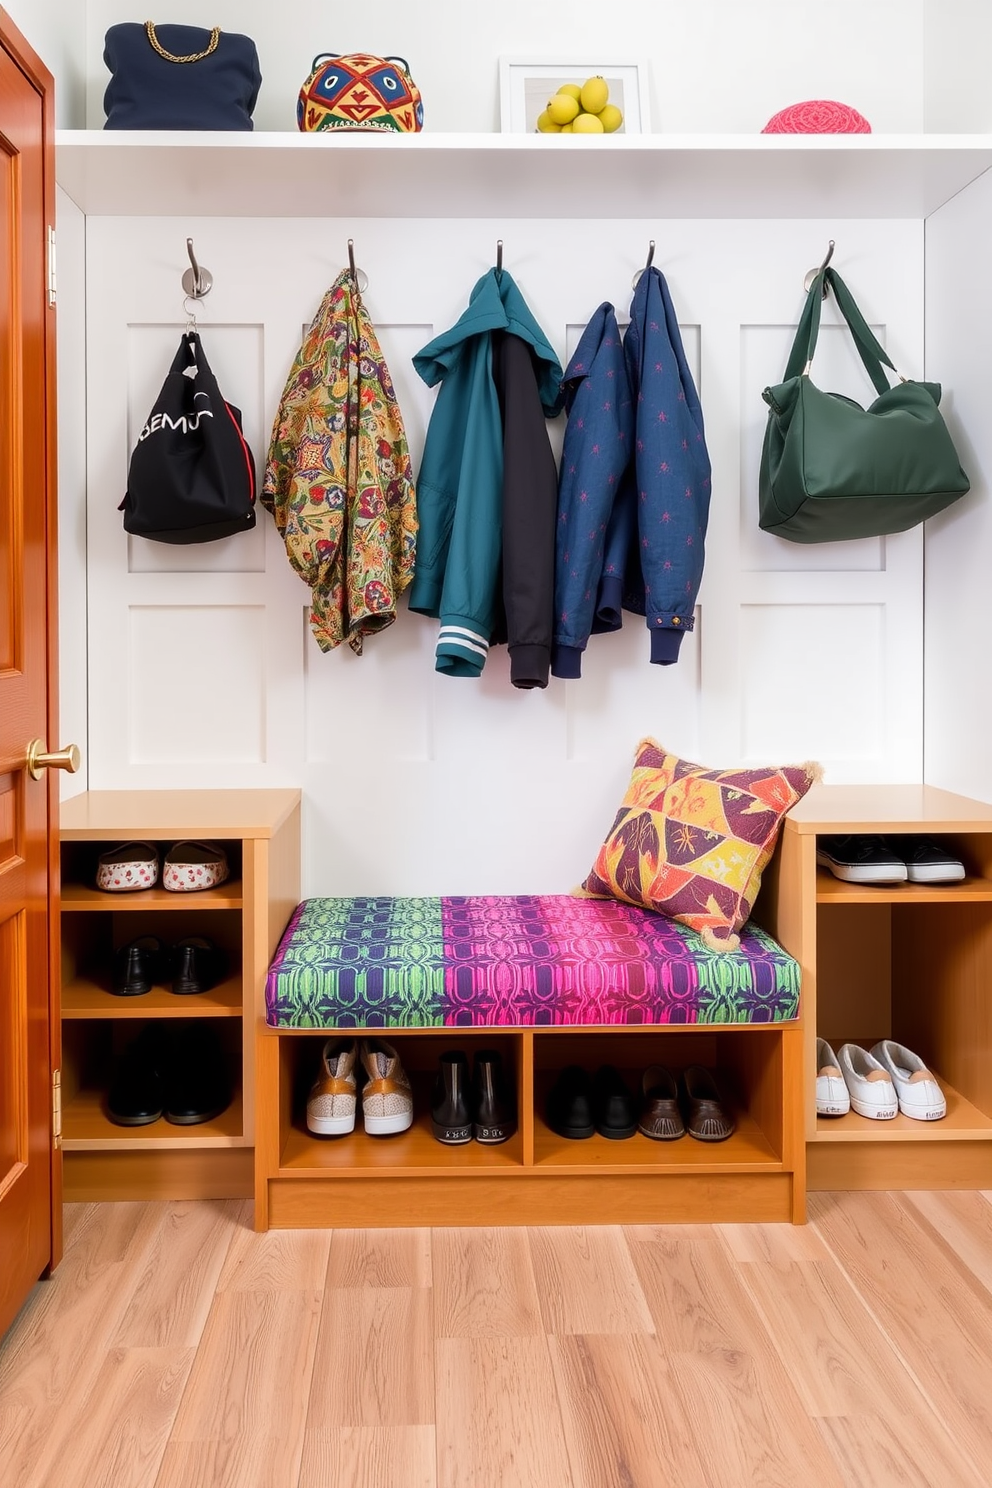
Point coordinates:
[(832, 470)]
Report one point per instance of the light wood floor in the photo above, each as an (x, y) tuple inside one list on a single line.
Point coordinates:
[(175, 1348)]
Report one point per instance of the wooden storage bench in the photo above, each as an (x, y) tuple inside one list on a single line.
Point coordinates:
[(550, 981)]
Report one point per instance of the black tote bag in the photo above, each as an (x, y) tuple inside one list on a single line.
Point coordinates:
[(192, 476)]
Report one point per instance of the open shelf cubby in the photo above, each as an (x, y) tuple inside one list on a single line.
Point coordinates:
[(411, 1178)]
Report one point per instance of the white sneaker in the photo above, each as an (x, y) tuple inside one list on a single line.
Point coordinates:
[(918, 1092), (387, 1100), (870, 1085), (334, 1094), (832, 1095)]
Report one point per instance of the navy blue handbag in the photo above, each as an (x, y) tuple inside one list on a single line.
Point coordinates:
[(179, 77)]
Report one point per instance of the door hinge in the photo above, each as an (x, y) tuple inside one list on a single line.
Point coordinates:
[(56, 1108), (52, 283)]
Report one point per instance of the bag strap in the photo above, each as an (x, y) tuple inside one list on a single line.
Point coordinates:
[(870, 350)]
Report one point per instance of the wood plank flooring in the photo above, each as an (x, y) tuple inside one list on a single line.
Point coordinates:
[(175, 1348)]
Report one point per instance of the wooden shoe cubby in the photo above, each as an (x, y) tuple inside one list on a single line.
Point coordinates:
[(245, 916), (537, 1177), (906, 961)]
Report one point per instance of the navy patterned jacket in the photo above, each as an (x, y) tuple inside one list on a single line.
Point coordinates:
[(648, 546), (596, 452)]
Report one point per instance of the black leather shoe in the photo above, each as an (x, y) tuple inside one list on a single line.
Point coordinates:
[(493, 1109), (570, 1104), (196, 966), (137, 966), (137, 1093), (197, 1088), (451, 1113), (616, 1111)]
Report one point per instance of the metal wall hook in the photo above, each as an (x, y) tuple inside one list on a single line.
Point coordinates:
[(197, 281), (811, 277), (650, 261), (499, 257), (357, 275)]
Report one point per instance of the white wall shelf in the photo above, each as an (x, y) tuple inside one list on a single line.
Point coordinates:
[(120, 173)]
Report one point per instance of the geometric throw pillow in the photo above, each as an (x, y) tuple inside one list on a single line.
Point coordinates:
[(693, 843)]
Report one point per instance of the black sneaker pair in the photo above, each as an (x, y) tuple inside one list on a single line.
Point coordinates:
[(468, 1105), (173, 1070), (579, 1105), (867, 858), (192, 965)]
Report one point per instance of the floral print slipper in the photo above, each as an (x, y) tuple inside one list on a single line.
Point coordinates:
[(129, 866), (190, 866)]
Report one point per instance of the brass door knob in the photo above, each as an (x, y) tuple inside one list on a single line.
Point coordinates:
[(63, 759)]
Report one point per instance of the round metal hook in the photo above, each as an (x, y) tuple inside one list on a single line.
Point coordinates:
[(813, 274), (359, 278), (650, 261), (196, 281)]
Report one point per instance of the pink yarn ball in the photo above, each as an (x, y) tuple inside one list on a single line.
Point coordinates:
[(818, 116)]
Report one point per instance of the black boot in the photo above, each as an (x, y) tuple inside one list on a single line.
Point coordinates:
[(451, 1114), (616, 1112), (495, 1117)]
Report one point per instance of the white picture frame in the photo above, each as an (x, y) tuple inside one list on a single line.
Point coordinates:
[(526, 84)]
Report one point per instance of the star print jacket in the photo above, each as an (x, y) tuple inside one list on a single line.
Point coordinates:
[(656, 517), (595, 455)]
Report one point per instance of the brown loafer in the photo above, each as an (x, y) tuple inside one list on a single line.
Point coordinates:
[(660, 1118), (707, 1120)]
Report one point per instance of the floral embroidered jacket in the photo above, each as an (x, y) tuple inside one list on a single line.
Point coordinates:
[(338, 480)]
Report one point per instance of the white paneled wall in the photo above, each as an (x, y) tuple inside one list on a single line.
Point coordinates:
[(202, 671)]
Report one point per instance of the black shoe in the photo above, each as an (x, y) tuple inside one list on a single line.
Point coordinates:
[(927, 860), (451, 1113), (197, 1088), (616, 1110), (197, 966), (137, 1093), (493, 1108), (570, 1104), (862, 859), (138, 966)]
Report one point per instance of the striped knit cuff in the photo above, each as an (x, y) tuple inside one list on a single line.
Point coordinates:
[(461, 649)]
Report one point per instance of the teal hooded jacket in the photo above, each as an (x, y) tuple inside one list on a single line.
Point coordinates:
[(460, 486)]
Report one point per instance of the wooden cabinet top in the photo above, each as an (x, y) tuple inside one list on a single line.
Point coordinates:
[(887, 808), (103, 815)]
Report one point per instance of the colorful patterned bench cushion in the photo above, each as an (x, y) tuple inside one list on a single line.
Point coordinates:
[(512, 962)]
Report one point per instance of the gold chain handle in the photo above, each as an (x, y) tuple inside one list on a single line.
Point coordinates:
[(193, 57)]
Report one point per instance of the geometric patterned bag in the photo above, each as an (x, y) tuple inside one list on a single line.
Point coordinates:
[(360, 91)]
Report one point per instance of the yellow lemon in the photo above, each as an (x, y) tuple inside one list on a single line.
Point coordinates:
[(563, 108), (587, 124), (594, 95), (567, 129), (547, 125), (610, 117), (572, 89)]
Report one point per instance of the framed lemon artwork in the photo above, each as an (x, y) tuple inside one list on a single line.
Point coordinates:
[(582, 97)]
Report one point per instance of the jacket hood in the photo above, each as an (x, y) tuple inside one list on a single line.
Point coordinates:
[(495, 304)]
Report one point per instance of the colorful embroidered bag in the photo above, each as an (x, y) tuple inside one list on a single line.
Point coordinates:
[(360, 91)]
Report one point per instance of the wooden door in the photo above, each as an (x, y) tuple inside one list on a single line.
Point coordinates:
[(30, 1199)]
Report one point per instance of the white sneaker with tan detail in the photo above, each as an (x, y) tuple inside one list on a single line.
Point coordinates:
[(832, 1095), (872, 1091), (917, 1090)]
